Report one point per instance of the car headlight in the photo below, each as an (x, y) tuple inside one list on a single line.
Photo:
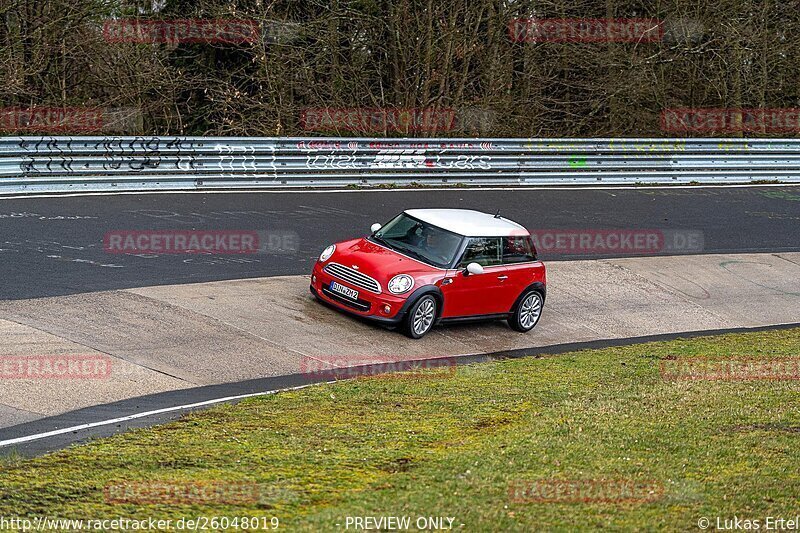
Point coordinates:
[(327, 253), (400, 284)]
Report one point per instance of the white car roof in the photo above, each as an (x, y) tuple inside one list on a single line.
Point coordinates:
[(468, 222)]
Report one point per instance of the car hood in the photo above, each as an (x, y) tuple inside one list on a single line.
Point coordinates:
[(379, 262)]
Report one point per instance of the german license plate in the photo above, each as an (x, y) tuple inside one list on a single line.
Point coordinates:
[(344, 291)]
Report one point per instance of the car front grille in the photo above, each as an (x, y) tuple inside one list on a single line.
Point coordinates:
[(354, 277)]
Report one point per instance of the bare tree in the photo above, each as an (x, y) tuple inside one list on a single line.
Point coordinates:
[(401, 54)]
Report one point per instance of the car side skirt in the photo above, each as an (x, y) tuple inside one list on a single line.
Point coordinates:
[(473, 318)]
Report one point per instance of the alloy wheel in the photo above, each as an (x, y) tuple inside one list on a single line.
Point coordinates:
[(530, 310), (423, 316)]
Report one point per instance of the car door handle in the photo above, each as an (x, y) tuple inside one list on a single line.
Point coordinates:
[(502, 278)]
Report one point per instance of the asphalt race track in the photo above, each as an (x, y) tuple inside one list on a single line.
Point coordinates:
[(54, 246), (179, 327)]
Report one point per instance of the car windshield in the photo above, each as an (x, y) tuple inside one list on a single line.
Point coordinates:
[(419, 240)]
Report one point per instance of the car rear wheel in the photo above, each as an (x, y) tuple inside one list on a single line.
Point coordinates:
[(420, 317), (528, 312)]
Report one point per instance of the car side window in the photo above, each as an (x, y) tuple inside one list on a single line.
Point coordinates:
[(482, 250), (517, 249)]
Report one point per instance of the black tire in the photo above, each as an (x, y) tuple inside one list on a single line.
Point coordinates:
[(528, 312), (420, 317)]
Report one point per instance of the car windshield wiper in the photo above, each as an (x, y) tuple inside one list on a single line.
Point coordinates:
[(403, 249), (382, 241), (389, 245), (415, 255)]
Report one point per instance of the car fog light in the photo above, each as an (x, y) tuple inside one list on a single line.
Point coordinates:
[(387, 309), (313, 278)]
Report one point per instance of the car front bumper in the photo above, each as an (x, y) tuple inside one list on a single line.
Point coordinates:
[(384, 308)]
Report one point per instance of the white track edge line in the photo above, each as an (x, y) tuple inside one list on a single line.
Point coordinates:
[(39, 436)]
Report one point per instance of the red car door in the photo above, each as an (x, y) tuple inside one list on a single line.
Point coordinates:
[(522, 268), (477, 294)]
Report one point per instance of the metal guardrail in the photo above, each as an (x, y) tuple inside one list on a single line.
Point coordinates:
[(101, 164)]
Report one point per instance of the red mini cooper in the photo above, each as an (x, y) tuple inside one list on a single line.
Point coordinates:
[(427, 266)]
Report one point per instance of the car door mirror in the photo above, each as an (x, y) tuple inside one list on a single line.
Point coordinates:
[(375, 227), (474, 268)]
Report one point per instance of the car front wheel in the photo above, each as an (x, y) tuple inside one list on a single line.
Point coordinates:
[(420, 317), (528, 312)]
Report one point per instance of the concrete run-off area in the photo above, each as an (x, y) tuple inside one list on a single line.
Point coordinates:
[(180, 336)]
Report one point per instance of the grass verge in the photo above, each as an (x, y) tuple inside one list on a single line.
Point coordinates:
[(601, 437)]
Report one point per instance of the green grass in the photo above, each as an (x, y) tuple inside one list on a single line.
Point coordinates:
[(449, 445)]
